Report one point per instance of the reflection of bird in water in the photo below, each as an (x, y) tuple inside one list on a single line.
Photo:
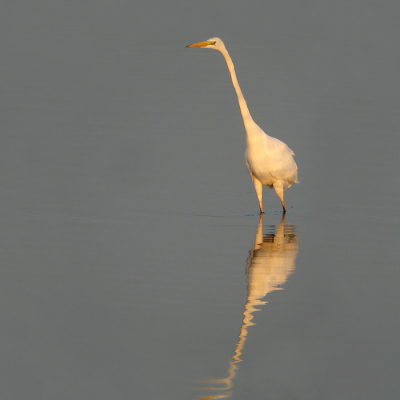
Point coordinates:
[(269, 161), (270, 263)]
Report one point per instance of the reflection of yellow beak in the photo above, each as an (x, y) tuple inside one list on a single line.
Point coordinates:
[(201, 44)]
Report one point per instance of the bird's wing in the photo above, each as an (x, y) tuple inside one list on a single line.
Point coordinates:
[(279, 160)]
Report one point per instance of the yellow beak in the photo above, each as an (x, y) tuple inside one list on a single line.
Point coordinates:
[(201, 44)]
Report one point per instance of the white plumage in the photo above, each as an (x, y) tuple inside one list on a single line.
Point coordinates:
[(269, 161)]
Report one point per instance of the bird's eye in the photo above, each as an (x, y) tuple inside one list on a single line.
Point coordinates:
[(213, 43)]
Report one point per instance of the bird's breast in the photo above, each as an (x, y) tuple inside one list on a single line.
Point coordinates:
[(259, 166), (270, 160)]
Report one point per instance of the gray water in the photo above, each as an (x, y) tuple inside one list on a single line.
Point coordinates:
[(133, 261)]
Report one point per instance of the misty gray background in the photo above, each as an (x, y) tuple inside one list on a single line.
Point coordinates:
[(127, 212)]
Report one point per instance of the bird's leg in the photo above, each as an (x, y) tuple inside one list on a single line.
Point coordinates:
[(258, 187), (278, 186)]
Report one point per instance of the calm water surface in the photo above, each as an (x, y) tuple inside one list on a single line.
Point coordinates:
[(134, 264)]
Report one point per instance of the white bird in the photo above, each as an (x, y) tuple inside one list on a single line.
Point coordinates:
[(269, 161)]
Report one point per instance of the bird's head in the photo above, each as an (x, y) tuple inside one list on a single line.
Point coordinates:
[(213, 43)]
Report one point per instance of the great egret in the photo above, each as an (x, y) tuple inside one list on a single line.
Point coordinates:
[(269, 161)]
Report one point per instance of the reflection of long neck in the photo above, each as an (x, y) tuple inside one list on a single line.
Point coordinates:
[(242, 102), (249, 308), (227, 383)]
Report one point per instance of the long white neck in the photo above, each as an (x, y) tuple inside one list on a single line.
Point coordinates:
[(247, 119)]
